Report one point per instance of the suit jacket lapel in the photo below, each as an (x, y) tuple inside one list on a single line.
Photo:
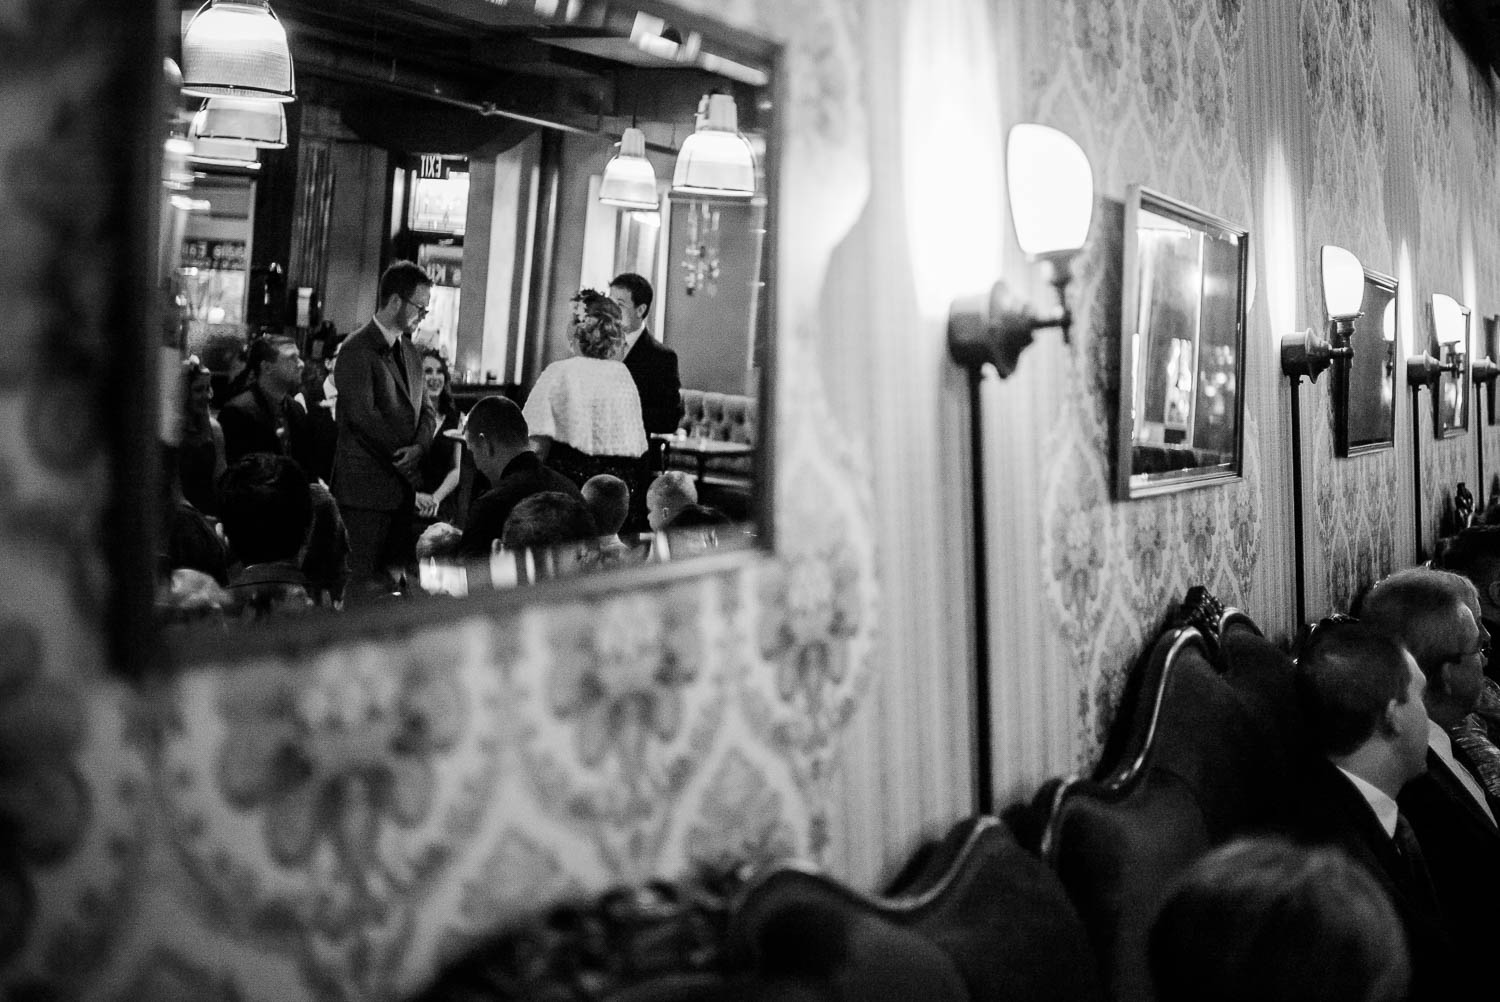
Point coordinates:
[(1452, 786)]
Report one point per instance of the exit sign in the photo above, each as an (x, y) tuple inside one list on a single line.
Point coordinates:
[(433, 167)]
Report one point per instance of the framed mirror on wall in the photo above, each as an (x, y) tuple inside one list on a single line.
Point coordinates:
[(520, 115), (1451, 324), (1371, 426), (1183, 347)]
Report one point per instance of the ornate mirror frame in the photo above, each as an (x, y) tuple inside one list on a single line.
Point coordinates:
[(1372, 371), (141, 647), (1147, 468)]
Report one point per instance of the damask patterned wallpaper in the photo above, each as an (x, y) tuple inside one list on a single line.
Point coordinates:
[(233, 835)]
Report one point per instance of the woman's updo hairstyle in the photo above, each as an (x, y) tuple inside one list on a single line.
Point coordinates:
[(596, 331)]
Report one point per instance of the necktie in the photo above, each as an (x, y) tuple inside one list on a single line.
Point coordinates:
[(398, 362), (1419, 880)]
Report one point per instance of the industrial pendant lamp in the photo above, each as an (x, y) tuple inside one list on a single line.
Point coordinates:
[(715, 161), (261, 123), (225, 153), (629, 181), (237, 48)]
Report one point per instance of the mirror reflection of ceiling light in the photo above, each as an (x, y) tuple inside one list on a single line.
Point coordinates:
[(261, 123), (715, 161), (237, 48), (225, 153), (629, 181)]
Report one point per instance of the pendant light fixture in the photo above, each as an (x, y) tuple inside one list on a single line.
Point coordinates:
[(225, 153), (715, 161), (237, 48), (261, 123), (629, 180)]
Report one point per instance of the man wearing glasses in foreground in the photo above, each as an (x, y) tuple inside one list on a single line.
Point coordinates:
[(1435, 615), (385, 426)]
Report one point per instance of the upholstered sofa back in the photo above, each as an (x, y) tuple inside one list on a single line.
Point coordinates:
[(725, 417)]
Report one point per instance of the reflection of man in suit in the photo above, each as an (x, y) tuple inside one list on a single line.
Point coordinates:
[(1361, 695), (1434, 614), (653, 366), (385, 425), (265, 418)]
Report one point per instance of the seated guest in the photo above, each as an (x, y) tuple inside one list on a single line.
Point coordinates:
[(440, 541), (190, 540), (1261, 918), (1432, 613), (266, 509), (325, 551), (584, 412), (1361, 698), (558, 526), (608, 499), (668, 495), (1475, 553), (265, 418), (497, 435), (200, 453)]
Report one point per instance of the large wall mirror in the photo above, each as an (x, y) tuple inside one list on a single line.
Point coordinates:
[(1371, 424), (516, 154), (1451, 334), (1182, 356)]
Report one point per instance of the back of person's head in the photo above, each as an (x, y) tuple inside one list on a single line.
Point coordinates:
[(1475, 553), (265, 507), (1261, 918), (1347, 675), (698, 516), (596, 330), (438, 541), (669, 494), (1417, 607), (548, 519), (608, 499), (265, 350), (402, 278), (637, 286), (499, 421)]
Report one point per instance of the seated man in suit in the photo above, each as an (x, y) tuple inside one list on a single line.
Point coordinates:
[(496, 434), (1432, 614), (1361, 698), (265, 418)]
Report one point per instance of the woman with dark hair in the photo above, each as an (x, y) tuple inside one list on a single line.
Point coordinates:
[(584, 412), (200, 453), (436, 494)]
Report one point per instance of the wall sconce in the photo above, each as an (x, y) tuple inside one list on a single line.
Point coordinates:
[(1309, 353), (237, 48), (1051, 205), (1051, 187), (715, 161), (629, 180)]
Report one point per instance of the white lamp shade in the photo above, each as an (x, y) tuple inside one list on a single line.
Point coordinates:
[(716, 160), (261, 123), (1448, 319), (1051, 189), (629, 180), (237, 48), (1343, 282), (226, 152)]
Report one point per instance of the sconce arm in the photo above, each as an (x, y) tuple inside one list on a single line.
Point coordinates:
[(997, 327), (1308, 354), (1423, 370)]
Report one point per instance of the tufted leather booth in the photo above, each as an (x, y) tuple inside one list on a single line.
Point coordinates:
[(723, 417)]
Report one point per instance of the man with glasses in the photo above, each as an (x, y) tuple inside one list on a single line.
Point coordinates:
[(385, 426), (1435, 616)]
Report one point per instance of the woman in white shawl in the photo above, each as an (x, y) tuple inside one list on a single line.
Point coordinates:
[(584, 412)]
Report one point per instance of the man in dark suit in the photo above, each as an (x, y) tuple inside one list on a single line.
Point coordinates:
[(1361, 696), (265, 418), (499, 440), (653, 366), (385, 426), (1434, 614)]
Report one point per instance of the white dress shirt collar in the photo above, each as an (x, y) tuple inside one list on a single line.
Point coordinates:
[(1384, 807), (390, 335)]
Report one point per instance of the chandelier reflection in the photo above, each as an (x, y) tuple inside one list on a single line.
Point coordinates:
[(700, 256)]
